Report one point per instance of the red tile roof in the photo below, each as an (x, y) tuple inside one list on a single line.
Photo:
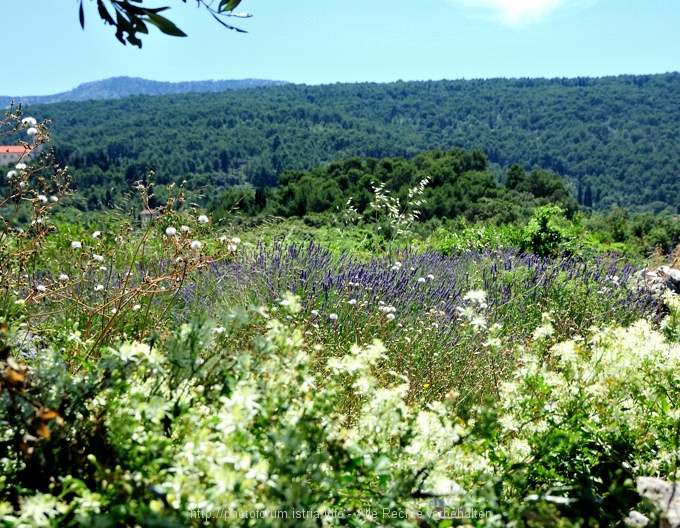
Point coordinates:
[(12, 149)]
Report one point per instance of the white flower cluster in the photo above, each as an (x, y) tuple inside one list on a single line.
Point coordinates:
[(619, 380), (387, 309)]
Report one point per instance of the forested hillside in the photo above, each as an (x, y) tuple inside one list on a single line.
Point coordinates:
[(615, 140)]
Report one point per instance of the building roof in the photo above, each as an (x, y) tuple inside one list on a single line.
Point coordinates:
[(12, 149)]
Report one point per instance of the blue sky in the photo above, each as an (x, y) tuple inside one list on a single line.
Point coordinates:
[(328, 41)]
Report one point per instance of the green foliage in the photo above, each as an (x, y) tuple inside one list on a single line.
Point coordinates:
[(461, 237), (432, 185), (130, 18), (636, 234), (573, 127), (583, 420), (516, 177), (544, 234), (548, 188), (239, 200)]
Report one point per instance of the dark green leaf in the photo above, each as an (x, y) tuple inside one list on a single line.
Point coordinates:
[(130, 10), (165, 25), (104, 14), (228, 5)]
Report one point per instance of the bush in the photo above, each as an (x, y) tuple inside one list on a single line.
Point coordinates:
[(544, 235)]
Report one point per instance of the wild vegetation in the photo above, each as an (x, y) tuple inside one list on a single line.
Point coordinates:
[(362, 362)]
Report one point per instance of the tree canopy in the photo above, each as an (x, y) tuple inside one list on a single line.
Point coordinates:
[(131, 17), (613, 139)]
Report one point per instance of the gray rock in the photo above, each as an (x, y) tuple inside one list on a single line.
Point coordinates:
[(636, 520), (27, 345), (661, 279), (665, 495), (674, 275)]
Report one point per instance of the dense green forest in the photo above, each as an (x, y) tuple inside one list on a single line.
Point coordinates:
[(613, 139), (454, 184)]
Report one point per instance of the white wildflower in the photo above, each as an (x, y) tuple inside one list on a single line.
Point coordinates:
[(96, 234), (99, 287), (76, 245), (352, 301), (136, 307), (232, 247), (430, 276), (222, 239), (544, 331), (315, 312), (184, 229), (475, 295), (236, 240), (390, 316), (63, 277), (12, 174), (20, 166), (333, 317), (98, 258), (42, 198), (170, 231), (32, 131), (30, 121), (203, 219), (195, 245), (478, 323), (114, 310), (54, 199), (41, 288), (421, 279)]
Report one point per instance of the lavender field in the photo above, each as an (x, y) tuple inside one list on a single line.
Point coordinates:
[(420, 303)]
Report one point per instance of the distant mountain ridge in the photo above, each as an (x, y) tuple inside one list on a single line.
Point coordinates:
[(120, 87)]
